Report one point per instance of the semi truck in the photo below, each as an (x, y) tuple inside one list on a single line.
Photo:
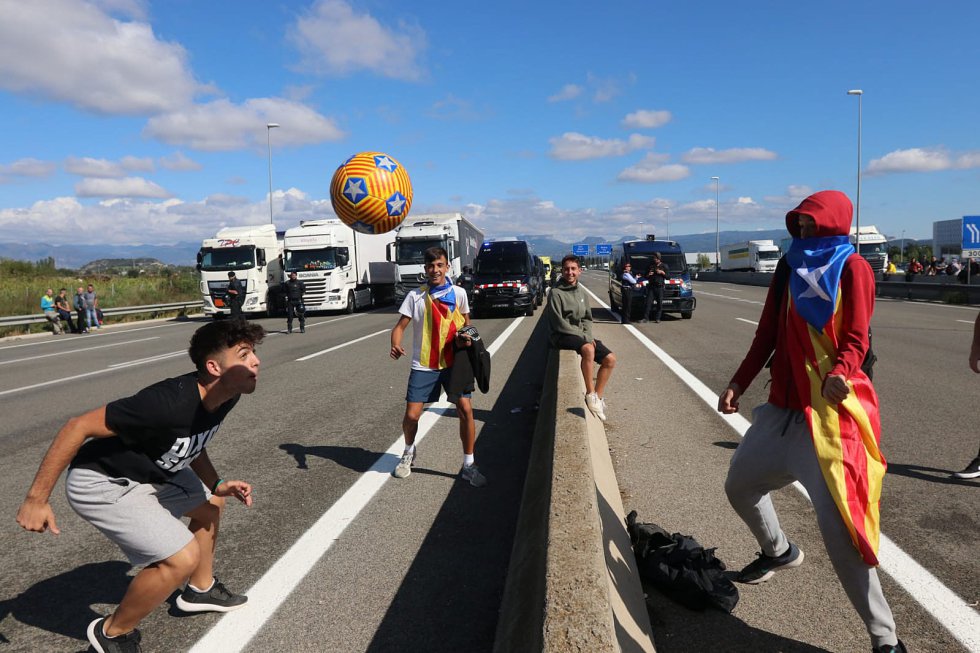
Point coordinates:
[(343, 270), (452, 231), (750, 256), (873, 246), (254, 254)]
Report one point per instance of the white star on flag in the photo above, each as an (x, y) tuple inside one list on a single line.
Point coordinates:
[(385, 162), (354, 189), (395, 204), (812, 278)]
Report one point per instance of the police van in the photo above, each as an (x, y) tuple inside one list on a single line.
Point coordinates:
[(678, 291)]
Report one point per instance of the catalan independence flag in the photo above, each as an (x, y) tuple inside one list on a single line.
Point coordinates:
[(439, 327), (846, 436)]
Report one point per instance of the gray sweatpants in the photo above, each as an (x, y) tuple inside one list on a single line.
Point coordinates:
[(777, 450)]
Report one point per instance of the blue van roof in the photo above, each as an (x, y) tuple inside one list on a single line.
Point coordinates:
[(647, 246)]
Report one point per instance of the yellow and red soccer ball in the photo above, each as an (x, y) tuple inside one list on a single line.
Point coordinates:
[(371, 192)]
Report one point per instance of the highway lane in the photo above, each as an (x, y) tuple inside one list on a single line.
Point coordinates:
[(925, 423), (304, 438)]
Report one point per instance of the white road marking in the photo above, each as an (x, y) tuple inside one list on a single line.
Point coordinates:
[(742, 319), (961, 620), (966, 321), (75, 351), (92, 335), (341, 346), (235, 630), (148, 359), (734, 299)]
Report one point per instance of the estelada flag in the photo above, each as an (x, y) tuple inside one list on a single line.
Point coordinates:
[(440, 323), (846, 436)]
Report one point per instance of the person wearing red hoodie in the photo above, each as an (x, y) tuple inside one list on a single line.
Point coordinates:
[(820, 425)]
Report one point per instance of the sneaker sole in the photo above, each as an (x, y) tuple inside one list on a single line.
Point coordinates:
[(769, 574), (397, 475), (966, 474), (206, 607), (92, 639)]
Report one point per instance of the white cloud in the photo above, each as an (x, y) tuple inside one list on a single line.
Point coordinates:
[(567, 92), (653, 169), (572, 146), (221, 125), (103, 168), (455, 108), (125, 187), (74, 52), (918, 159), (646, 119), (702, 155), (795, 193), (28, 168), (180, 162), (334, 40)]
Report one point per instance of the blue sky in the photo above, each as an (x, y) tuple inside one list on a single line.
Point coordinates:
[(128, 121)]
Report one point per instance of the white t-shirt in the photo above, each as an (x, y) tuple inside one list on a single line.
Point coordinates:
[(414, 307)]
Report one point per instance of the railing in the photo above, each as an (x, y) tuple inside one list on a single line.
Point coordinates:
[(22, 320)]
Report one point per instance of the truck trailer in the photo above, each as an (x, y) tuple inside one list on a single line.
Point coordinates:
[(343, 270), (254, 254), (750, 256), (452, 231)]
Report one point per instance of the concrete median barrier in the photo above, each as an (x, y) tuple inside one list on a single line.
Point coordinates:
[(572, 585)]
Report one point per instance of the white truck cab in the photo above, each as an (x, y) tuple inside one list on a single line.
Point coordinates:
[(254, 254)]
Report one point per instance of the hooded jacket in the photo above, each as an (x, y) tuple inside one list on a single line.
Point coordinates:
[(569, 312), (832, 212)]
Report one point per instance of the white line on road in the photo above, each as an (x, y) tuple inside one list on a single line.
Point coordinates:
[(742, 319), (962, 621), (341, 346), (148, 359), (236, 629), (966, 321), (92, 335), (75, 351), (734, 299)]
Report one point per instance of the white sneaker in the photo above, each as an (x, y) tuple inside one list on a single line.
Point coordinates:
[(596, 405), (404, 467)]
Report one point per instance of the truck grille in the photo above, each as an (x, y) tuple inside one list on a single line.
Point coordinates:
[(316, 291)]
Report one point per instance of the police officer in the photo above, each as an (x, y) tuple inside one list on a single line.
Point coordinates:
[(628, 284), (293, 290), (656, 278), (236, 296)]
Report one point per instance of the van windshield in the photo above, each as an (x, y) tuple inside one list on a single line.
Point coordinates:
[(501, 265)]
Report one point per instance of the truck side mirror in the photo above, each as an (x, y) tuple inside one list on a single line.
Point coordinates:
[(388, 249), (260, 257)]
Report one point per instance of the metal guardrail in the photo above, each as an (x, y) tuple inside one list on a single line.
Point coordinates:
[(22, 320)]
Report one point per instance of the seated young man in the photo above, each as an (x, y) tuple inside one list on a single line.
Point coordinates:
[(144, 468), (570, 319)]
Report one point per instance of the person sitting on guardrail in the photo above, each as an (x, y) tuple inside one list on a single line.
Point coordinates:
[(139, 464), (570, 319), (64, 309), (47, 307), (820, 425)]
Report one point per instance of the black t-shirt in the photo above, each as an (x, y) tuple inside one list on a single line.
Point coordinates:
[(159, 431)]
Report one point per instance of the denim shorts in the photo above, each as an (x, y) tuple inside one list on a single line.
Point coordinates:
[(425, 386)]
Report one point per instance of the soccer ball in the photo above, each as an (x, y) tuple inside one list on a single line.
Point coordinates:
[(371, 192)]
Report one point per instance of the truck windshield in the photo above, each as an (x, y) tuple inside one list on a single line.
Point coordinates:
[(228, 258), (513, 265), (413, 250), (769, 256), (872, 248), (298, 260)]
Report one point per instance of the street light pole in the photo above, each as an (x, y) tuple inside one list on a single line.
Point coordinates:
[(717, 228), (903, 246), (857, 230), (668, 221), (268, 138)]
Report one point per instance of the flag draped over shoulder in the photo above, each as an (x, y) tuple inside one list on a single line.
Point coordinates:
[(439, 326), (846, 436)]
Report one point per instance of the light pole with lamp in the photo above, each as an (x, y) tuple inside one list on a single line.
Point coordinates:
[(667, 208), (268, 138), (903, 246), (717, 228), (857, 229)]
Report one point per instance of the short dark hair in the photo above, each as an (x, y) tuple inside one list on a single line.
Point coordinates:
[(571, 257), (63, 290), (433, 253), (215, 336), (231, 274)]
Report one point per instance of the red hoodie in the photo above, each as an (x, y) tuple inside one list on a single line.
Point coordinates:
[(832, 212)]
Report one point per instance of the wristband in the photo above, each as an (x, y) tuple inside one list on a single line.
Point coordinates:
[(214, 487)]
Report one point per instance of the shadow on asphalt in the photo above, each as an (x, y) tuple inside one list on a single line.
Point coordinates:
[(74, 593), (931, 474), (357, 459), (726, 445), (450, 597)]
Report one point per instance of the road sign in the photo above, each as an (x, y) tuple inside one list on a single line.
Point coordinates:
[(603, 249), (580, 249), (971, 236)]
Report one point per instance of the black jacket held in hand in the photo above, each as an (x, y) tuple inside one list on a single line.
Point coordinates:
[(474, 366)]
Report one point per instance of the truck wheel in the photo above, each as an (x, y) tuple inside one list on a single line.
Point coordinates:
[(350, 302), (687, 315)]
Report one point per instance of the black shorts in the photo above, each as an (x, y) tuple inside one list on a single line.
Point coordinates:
[(575, 343)]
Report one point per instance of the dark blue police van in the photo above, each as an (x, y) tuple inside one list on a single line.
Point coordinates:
[(506, 276), (678, 292)]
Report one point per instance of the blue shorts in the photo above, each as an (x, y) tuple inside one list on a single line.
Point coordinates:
[(425, 386)]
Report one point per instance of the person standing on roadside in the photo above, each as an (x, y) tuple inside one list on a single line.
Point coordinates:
[(80, 313), (438, 312), (972, 470), (656, 278), (570, 319), (293, 290), (64, 309), (91, 307), (236, 296), (628, 285), (138, 465), (47, 307), (820, 425)]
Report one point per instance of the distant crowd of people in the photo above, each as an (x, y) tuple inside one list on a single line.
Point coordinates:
[(58, 309), (934, 267)]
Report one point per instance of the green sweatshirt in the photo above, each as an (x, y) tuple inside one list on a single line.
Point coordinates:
[(568, 312)]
